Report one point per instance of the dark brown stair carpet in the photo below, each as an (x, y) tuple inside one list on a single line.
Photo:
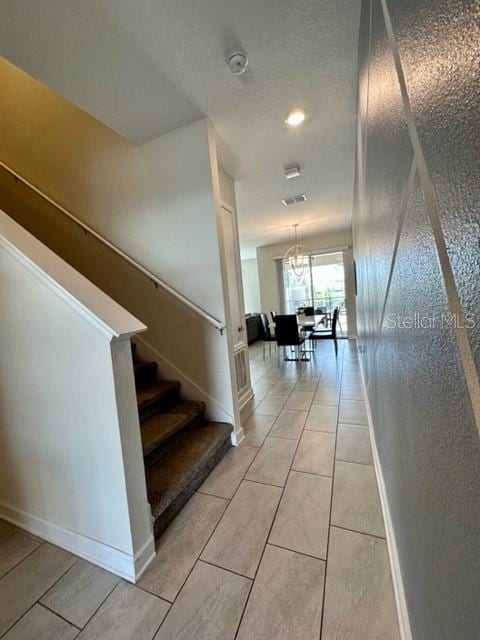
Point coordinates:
[(162, 426), (144, 372), (179, 447), (173, 479), (159, 396)]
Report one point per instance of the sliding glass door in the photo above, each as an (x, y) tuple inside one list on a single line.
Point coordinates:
[(322, 286)]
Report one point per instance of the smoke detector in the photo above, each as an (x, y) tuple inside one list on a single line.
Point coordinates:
[(237, 62), (294, 200)]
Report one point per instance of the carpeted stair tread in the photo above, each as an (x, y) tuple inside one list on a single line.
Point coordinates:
[(162, 426), (173, 479), (159, 394)]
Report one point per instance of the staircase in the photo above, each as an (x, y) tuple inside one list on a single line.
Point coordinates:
[(180, 447)]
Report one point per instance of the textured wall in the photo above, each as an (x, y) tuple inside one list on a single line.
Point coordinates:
[(416, 244)]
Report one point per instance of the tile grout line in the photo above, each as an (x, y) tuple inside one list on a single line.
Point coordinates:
[(300, 553), (362, 464), (360, 533), (199, 557), (120, 580), (37, 601), (22, 560), (247, 600), (271, 527), (229, 500), (217, 566), (330, 513), (72, 624)]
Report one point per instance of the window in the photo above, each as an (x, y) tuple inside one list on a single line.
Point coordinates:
[(321, 286)]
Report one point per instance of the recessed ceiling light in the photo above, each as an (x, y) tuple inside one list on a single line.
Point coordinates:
[(295, 117)]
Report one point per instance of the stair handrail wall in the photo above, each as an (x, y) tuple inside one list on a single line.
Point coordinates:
[(218, 324)]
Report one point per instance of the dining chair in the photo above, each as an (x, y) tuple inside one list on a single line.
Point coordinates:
[(266, 335), (286, 331), (327, 334)]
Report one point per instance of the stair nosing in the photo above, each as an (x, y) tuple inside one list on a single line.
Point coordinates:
[(189, 418), (190, 472)]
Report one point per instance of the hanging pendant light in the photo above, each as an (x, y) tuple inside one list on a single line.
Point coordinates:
[(296, 258)]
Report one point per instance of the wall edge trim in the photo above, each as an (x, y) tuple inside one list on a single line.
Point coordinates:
[(398, 586)]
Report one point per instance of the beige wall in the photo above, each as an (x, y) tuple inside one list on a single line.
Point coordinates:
[(177, 235), (268, 277), (155, 202)]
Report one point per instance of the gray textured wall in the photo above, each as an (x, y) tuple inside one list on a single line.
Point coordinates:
[(416, 240)]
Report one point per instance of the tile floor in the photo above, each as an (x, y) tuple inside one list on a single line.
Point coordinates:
[(285, 539)]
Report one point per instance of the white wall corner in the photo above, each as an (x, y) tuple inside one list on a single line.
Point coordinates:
[(143, 543), (120, 563), (92, 304)]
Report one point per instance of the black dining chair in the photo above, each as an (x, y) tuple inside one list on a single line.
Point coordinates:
[(322, 311), (308, 311), (286, 331), (266, 335), (274, 315), (327, 334)]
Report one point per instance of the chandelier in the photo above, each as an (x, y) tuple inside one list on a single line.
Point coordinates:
[(296, 258)]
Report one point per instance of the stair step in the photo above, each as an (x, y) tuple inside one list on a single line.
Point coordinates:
[(145, 373), (158, 396), (173, 479), (158, 429)]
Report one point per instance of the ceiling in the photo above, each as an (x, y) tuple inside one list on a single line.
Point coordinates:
[(150, 66)]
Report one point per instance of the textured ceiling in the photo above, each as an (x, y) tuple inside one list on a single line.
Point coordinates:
[(147, 67)]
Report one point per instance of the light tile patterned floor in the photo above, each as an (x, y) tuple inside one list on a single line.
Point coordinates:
[(284, 540)]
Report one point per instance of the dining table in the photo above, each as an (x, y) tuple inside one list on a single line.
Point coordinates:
[(310, 323)]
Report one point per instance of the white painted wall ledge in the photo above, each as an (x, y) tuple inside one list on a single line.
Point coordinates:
[(112, 320), (71, 463)]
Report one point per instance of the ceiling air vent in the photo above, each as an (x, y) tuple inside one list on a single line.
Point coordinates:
[(294, 200), (292, 172)]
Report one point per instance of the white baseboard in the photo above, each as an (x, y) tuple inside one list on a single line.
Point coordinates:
[(144, 557), (246, 396), (401, 603), (118, 562), (237, 436)]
